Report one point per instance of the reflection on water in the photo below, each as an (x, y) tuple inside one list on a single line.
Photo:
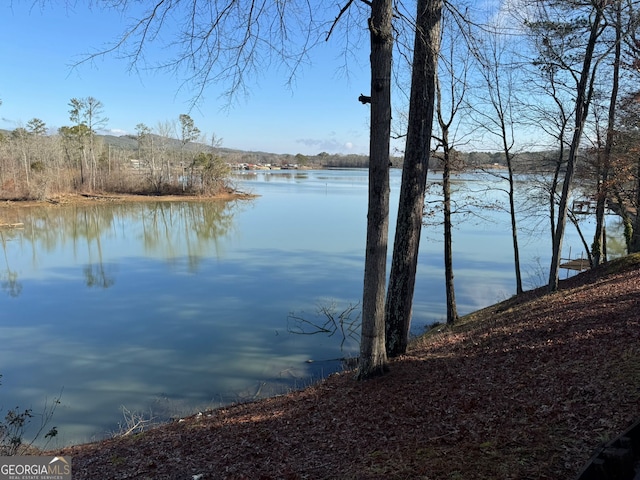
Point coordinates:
[(9, 277), (95, 238), (172, 307), (164, 230), (163, 306)]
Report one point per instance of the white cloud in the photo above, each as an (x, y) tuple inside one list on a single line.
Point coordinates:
[(330, 145), (115, 131), (322, 145)]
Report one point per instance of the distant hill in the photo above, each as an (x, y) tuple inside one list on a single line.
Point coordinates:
[(129, 142), (525, 161)]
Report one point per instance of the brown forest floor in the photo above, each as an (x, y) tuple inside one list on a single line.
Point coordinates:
[(525, 389)]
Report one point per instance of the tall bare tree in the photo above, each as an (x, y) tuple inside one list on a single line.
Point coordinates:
[(495, 109), (87, 115), (624, 22), (188, 133), (94, 118), (414, 176), (628, 140), (373, 356), (553, 117), (580, 26), (451, 88), (20, 136), (147, 158), (80, 132)]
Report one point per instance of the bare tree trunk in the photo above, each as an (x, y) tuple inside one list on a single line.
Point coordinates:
[(414, 176), (373, 357), (582, 107), (634, 243), (500, 84), (599, 253), (601, 199), (452, 311), (514, 230), (94, 164), (25, 162), (563, 211), (553, 188), (83, 160)]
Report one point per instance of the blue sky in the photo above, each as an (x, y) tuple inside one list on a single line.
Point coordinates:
[(39, 45)]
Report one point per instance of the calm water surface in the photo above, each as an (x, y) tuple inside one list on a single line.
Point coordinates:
[(167, 308)]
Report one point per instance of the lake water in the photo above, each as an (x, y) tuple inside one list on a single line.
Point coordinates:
[(167, 308)]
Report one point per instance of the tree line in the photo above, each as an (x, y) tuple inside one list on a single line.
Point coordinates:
[(172, 158)]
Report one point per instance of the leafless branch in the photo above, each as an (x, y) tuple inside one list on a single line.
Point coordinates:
[(328, 321), (216, 42), (335, 22), (133, 422)]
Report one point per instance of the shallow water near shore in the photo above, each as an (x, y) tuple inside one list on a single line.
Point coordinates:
[(165, 309)]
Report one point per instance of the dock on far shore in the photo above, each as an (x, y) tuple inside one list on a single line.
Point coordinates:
[(578, 264)]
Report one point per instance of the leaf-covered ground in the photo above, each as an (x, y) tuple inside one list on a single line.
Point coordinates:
[(525, 389)]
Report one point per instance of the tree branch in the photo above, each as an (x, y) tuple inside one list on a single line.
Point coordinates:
[(337, 19)]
